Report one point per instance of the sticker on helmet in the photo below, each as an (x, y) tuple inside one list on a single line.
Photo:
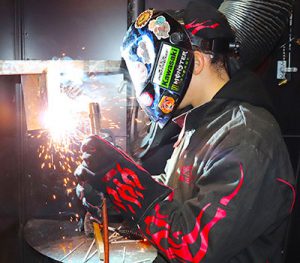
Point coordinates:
[(143, 53), (143, 18), (171, 68), (166, 104), (139, 72), (146, 99), (160, 27)]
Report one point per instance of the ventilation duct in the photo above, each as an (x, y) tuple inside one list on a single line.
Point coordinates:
[(259, 25)]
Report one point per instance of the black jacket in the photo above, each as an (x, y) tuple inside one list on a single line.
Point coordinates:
[(229, 184)]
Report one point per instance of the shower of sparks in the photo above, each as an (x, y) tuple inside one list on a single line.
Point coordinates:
[(67, 124), (59, 150), (61, 156)]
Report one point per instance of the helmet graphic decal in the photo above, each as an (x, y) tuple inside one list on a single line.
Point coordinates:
[(160, 27), (166, 104), (143, 18), (171, 67), (143, 53)]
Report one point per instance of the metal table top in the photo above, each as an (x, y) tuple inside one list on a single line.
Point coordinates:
[(60, 241)]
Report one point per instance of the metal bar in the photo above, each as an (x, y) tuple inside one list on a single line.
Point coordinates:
[(19, 30), (73, 250), (91, 255), (290, 40), (95, 117), (105, 231), (88, 252), (99, 239), (134, 8), (21, 130), (143, 260), (138, 7), (124, 255), (126, 241)]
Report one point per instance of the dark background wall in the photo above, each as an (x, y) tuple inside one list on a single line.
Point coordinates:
[(42, 29), (8, 175), (7, 29), (93, 29), (178, 4)]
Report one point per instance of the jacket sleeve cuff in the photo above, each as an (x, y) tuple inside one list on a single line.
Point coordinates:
[(133, 191)]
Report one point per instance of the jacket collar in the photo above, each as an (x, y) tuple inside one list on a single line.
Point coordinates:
[(245, 86)]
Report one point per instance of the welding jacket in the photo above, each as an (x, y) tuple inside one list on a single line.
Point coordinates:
[(228, 188)]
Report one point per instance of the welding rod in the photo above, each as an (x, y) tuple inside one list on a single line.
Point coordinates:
[(95, 117), (105, 231), (91, 255), (79, 245), (95, 120), (88, 252), (143, 260), (124, 255), (126, 241)]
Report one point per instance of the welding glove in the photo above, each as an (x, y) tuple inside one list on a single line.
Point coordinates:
[(98, 158), (92, 202), (91, 199), (109, 170)]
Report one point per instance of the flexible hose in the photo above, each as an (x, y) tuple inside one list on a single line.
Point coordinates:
[(259, 25)]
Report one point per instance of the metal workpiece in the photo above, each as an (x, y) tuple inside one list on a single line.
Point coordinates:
[(61, 241), (134, 8)]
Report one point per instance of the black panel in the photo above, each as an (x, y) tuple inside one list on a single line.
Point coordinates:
[(78, 29), (166, 4), (6, 29), (8, 158), (8, 173), (286, 97)]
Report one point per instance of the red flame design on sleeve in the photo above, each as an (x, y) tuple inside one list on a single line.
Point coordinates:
[(127, 191), (176, 245), (199, 26), (186, 175), (226, 199)]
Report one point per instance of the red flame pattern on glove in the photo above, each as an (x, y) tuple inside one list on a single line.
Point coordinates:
[(127, 190)]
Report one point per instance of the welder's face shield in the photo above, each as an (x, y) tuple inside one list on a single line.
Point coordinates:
[(159, 57)]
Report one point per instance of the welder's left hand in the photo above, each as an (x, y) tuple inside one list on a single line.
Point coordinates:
[(97, 153), (107, 169), (98, 157), (91, 200)]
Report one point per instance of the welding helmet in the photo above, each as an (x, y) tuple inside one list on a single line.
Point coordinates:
[(158, 51), (159, 57)]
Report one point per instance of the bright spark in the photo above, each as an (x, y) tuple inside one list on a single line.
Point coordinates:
[(67, 123)]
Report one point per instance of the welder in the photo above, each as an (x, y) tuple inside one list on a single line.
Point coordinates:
[(227, 191)]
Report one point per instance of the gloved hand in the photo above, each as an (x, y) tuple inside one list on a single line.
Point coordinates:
[(98, 157), (91, 199), (106, 169)]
